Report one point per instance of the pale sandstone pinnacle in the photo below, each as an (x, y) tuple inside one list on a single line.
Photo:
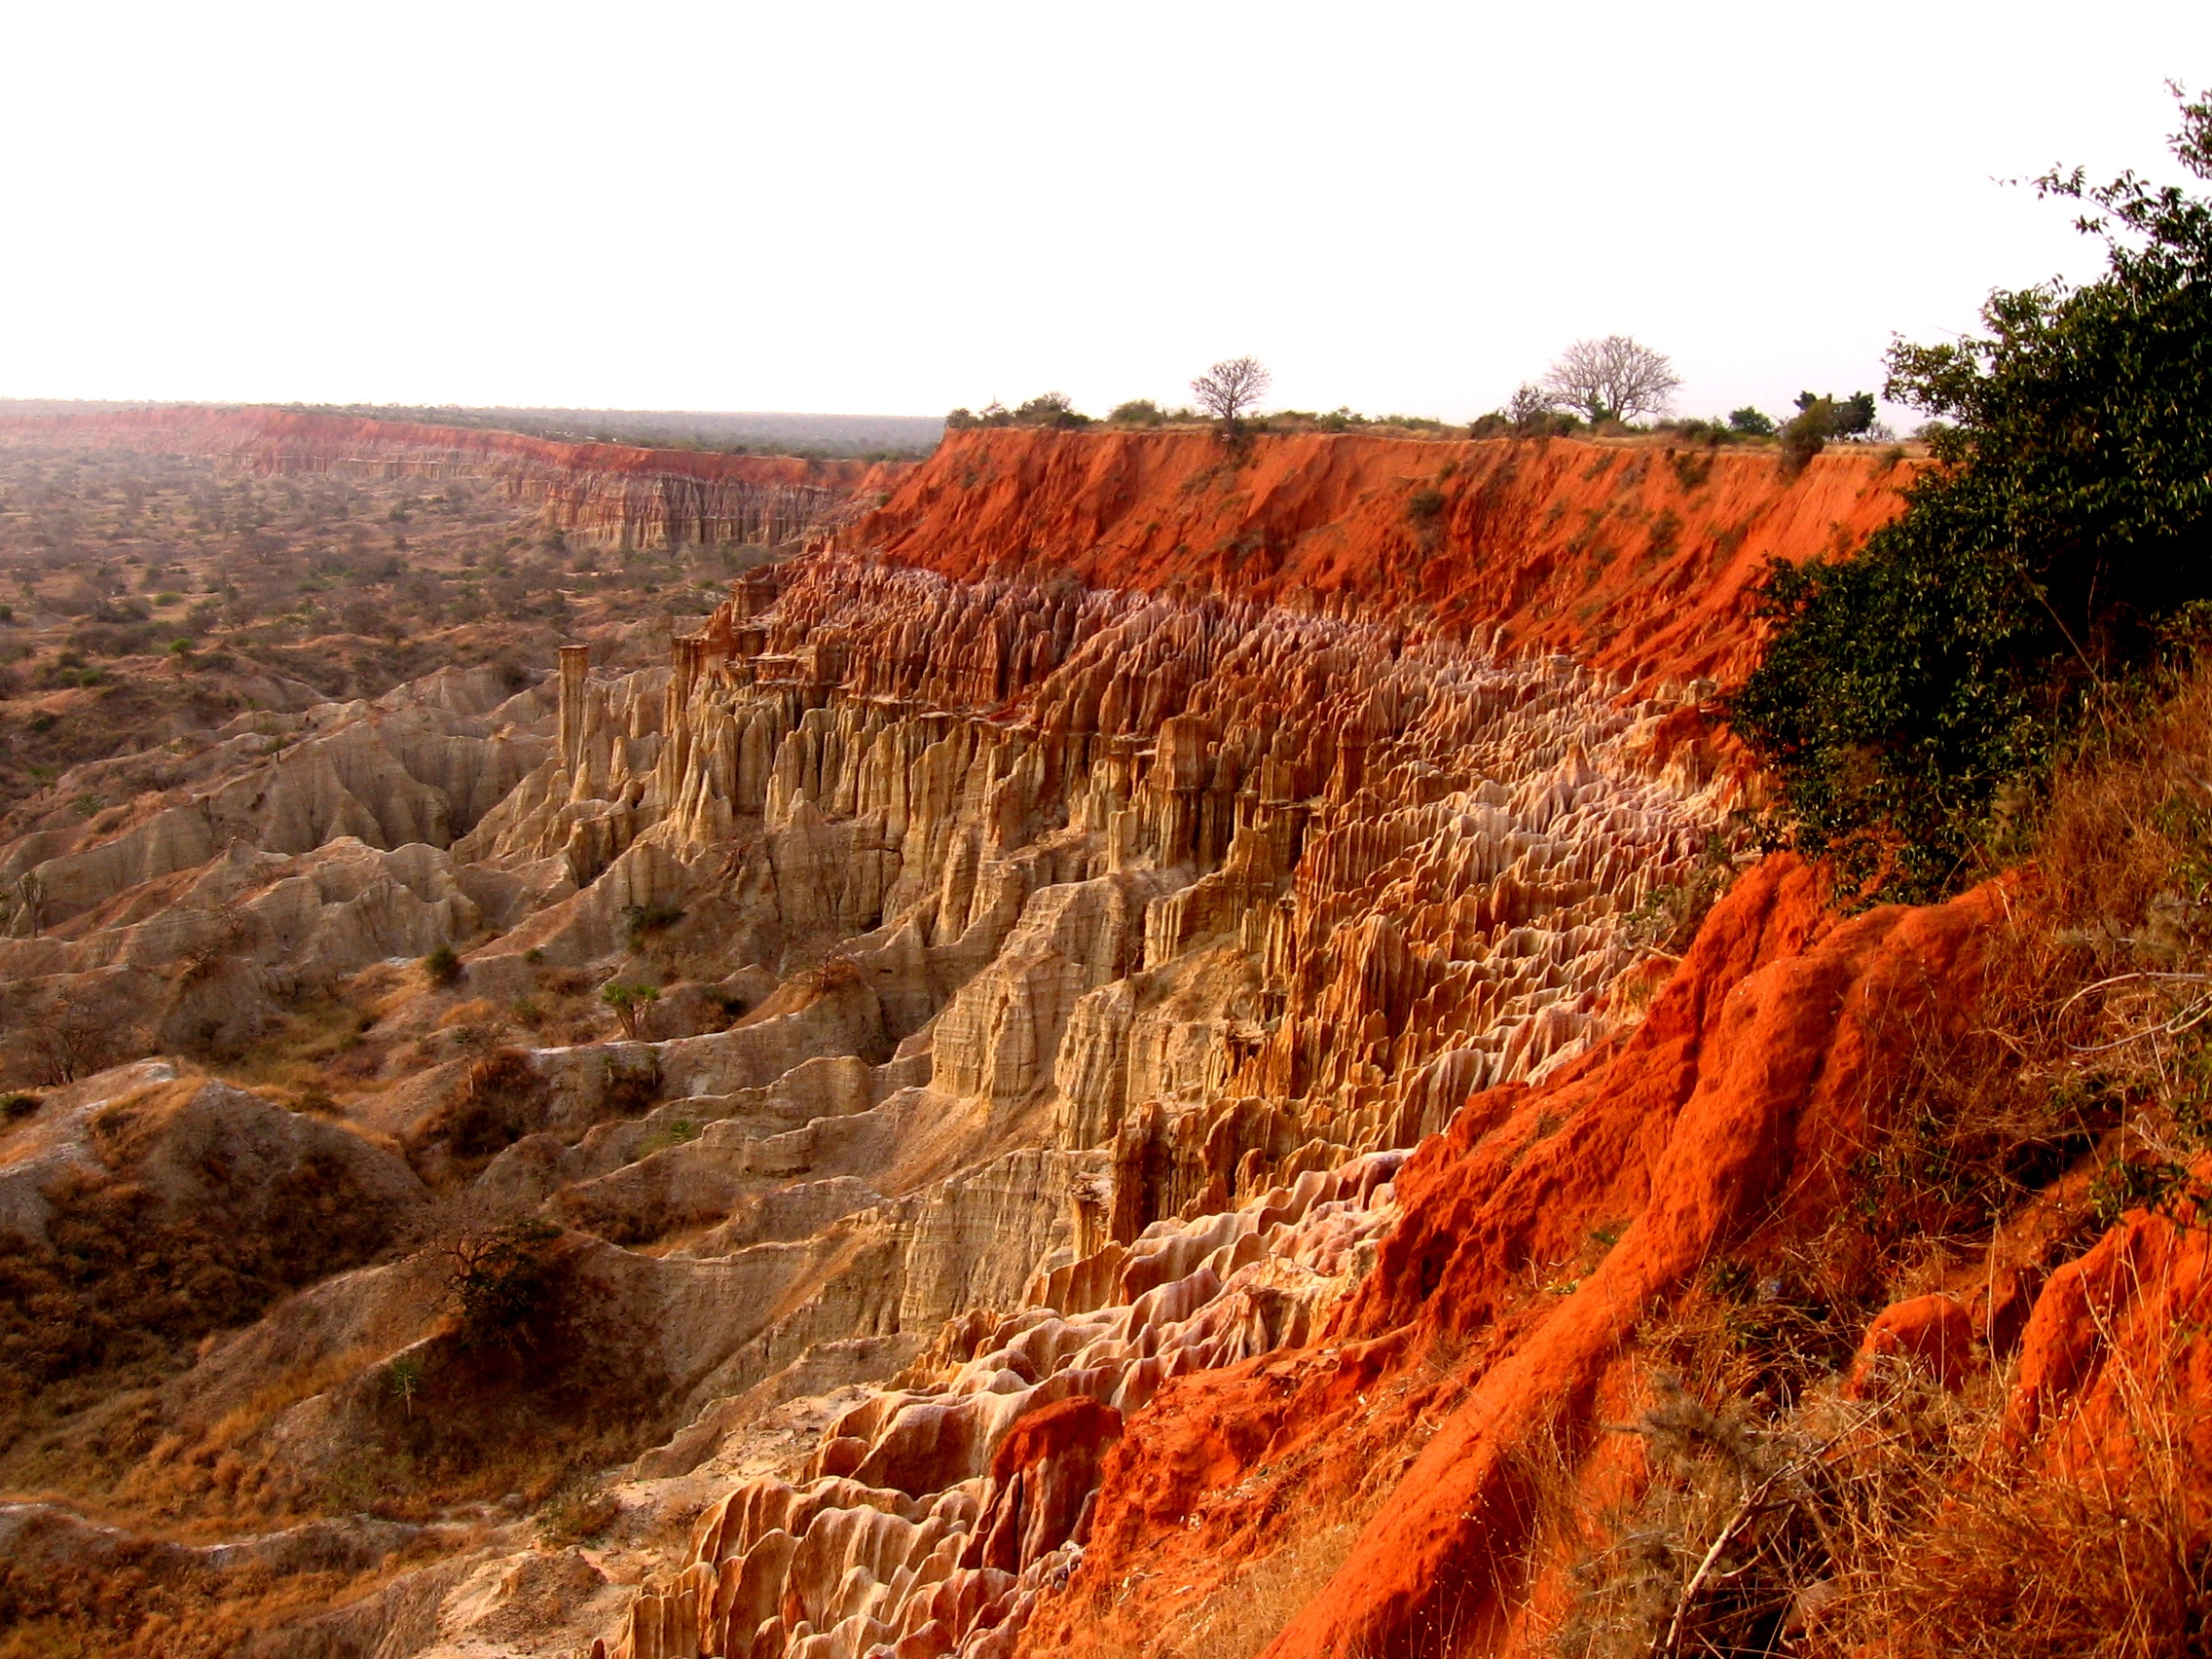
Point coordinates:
[(1121, 943)]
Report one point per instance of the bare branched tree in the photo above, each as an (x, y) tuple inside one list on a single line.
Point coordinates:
[(22, 906), (1613, 378), (1230, 387), (68, 1041), (1530, 410)]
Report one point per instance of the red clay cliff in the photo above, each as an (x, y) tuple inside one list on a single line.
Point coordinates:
[(1638, 561)]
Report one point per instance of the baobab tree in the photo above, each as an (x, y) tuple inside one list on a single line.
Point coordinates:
[(1613, 378), (1229, 387)]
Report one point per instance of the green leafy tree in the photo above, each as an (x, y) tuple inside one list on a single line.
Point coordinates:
[(1750, 422), (1819, 419), (1050, 409), (629, 1003), (2033, 572)]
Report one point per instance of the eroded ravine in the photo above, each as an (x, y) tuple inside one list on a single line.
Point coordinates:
[(1051, 978)]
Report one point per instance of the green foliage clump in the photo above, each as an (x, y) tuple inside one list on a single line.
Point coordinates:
[(1046, 409), (1749, 421), (1819, 419), (642, 921), (1907, 691), (629, 1003), (442, 966)]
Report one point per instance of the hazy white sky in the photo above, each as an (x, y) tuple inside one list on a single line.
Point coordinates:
[(900, 208)]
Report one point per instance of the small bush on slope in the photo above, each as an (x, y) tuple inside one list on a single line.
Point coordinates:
[(2031, 573)]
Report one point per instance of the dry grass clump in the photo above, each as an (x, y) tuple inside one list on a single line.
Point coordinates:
[(1239, 1619), (580, 1510), (1775, 1512), (2089, 1045), (498, 1100), (118, 1597), (1752, 1518), (527, 1371), (1904, 1524)]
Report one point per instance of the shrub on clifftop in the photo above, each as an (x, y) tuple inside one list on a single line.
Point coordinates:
[(2033, 572)]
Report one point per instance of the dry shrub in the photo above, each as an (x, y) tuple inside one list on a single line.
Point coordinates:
[(1972, 1120), (546, 1376), (805, 987), (831, 974), (2123, 842), (2089, 1033), (120, 1282), (1779, 1516), (1757, 1522), (580, 1510), (498, 1099), (2109, 1557), (127, 1598), (566, 981)]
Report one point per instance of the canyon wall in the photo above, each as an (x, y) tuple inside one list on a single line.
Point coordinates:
[(612, 494), (1116, 917), (1638, 560)]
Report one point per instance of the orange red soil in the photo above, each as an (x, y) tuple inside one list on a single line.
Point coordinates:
[(1638, 561), (1729, 1116)]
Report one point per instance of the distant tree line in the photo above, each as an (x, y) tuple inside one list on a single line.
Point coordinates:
[(1598, 386)]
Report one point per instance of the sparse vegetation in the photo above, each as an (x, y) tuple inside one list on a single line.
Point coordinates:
[(261, 585), (1782, 1503), (640, 922), (499, 1284), (1818, 420)]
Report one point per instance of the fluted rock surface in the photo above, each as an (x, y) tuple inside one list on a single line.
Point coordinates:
[(1167, 913), (930, 1517), (271, 857)]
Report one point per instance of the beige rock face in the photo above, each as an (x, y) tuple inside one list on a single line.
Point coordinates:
[(1101, 953), (913, 1530), (297, 850)]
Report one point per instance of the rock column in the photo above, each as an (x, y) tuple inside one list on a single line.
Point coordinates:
[(575, 667)]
